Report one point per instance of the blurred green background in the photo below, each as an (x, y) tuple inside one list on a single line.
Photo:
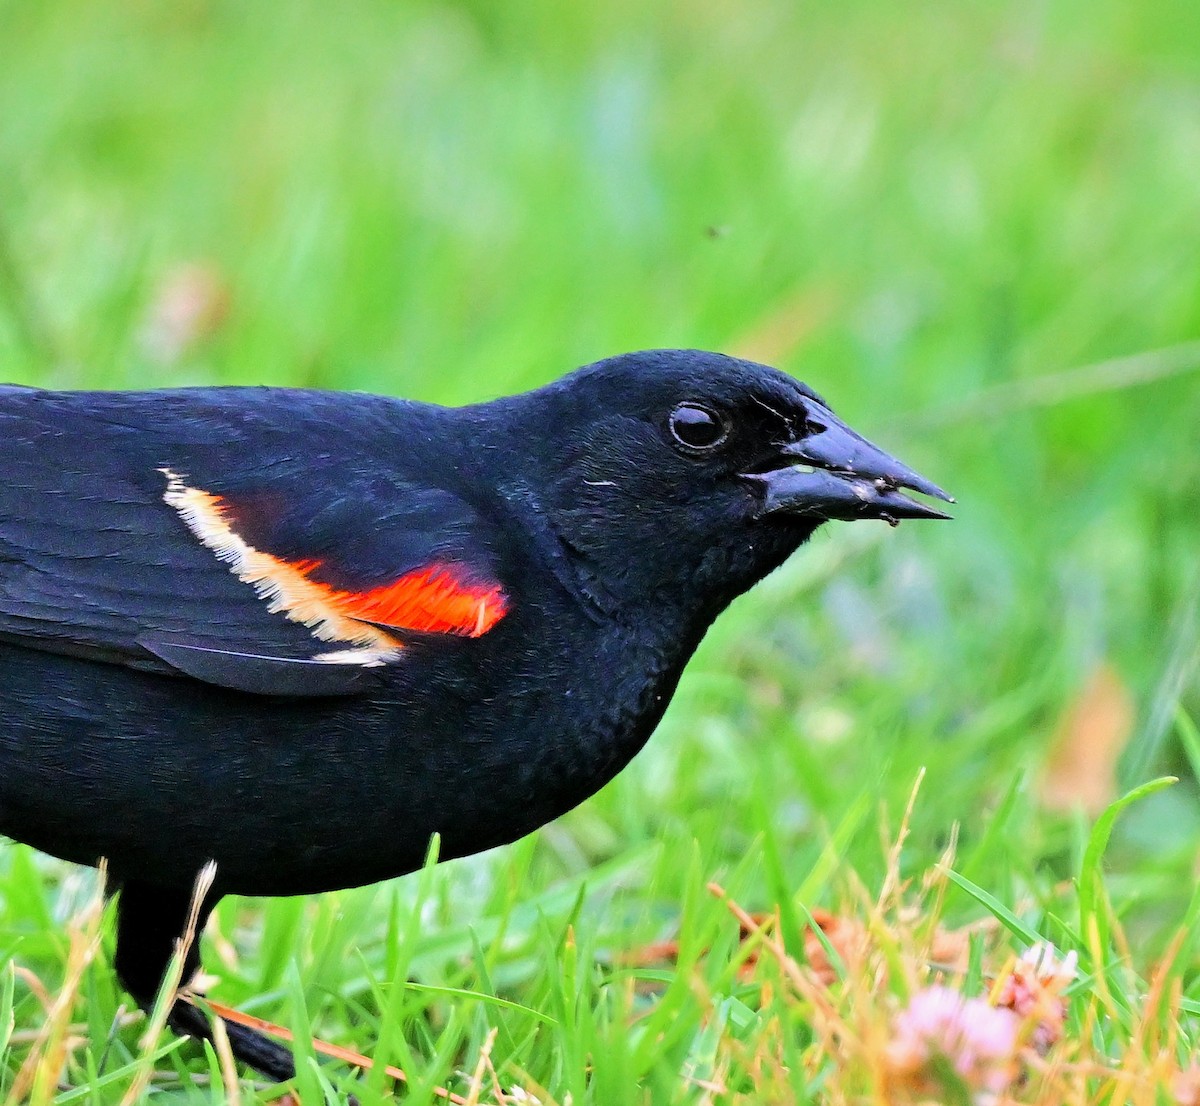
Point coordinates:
[(972, 226)]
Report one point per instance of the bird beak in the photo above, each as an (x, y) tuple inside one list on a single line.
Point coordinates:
[(834, 473)]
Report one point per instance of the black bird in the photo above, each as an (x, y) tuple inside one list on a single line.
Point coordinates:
[(297, 633)]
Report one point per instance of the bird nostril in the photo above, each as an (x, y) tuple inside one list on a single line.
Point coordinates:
[(811, 426)]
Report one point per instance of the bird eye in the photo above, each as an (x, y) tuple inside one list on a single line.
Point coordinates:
[(697, 428)]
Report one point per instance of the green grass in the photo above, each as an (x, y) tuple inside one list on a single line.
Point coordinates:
[(927, 211)]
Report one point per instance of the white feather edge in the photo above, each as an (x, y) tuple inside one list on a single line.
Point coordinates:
[(285, 589)]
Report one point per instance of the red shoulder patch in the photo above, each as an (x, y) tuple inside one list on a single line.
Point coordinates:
[(433, 600), (437, 598)]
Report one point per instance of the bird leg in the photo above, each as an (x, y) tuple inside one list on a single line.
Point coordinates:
[(150, 921)]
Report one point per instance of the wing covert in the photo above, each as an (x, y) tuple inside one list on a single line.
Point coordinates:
[(265, 569)]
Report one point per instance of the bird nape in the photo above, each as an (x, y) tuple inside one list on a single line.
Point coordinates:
[(297, 633)]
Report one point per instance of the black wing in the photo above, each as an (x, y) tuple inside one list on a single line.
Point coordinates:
[(255, 539)]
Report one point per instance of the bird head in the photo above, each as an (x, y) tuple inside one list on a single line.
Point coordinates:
[(674, 473)]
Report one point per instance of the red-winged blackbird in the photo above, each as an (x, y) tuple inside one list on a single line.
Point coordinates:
[(298, 633)]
